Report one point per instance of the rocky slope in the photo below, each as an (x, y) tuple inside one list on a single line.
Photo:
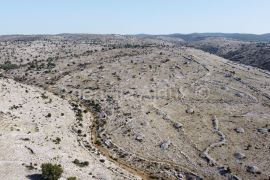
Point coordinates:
[(38, 127), (249, 49), (157, 111), (250, 53)]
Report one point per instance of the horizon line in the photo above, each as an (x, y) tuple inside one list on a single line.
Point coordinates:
[(131, 34)]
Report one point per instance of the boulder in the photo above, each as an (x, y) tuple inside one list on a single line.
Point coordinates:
[(228, 75), (253, 169), (139, 137), (239, 130), (108, 143), (190, 111), (239, 155), (165, 144), (263, 130), (237, 78), (177, 125), (238, 94), (226, 88)]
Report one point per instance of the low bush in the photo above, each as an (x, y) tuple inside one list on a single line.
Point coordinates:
[(81, 164), (8, 65), (71, 178), (51, 171)]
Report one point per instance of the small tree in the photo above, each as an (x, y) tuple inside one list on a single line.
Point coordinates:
[(51, 172)]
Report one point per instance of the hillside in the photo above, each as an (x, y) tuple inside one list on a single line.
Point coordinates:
[(249, 53), (154, 110), (231, 36), (249, 49), (38, 127)]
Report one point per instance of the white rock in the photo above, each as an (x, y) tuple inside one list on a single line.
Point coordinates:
[(228, 75), (238, 94), (179, 176), (239, 155), (145, 123), (177, 125), (263, 130), (253, 169), (139, 137), (165, 144), (239, 130), (190, 111), (108, 143), (225, 88)]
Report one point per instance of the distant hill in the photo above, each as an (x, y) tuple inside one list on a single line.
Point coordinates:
[(233, 36), (183, 37), (255, 54), (249, 49)]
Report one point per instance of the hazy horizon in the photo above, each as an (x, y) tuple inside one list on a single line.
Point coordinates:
[(78, 33), (130, 17)]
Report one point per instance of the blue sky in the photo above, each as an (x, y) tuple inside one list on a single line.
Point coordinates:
[(134, 16)]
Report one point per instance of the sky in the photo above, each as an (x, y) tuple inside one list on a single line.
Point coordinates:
[(134, 16)]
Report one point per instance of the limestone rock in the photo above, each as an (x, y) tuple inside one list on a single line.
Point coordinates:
[(190, 111), (238, 94), (139, 137), (177, 125), (239, 130), (108, 143), (253, 169), (263, 130), (239, 155), (165, 144)]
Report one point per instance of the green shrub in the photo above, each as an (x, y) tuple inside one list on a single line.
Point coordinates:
[(71, 178), (57, 140), (81, 164), (8, 65), (51, 171)]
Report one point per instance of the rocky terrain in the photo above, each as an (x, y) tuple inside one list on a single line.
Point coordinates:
[(232, 36), (132, 107), (255, 54), (249, 49), (39, 127)]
